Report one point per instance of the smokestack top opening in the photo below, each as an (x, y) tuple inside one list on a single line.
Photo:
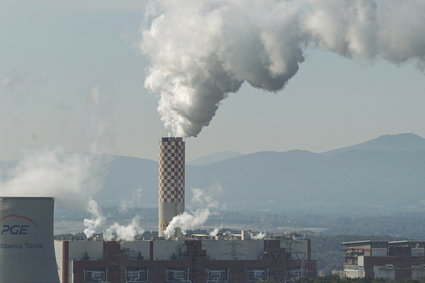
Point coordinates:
[(172, 139)]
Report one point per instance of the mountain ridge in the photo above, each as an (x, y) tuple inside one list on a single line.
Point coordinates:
[(353, 179), (388, 142)]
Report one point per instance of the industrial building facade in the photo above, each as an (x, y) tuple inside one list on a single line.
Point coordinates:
[(189, 260), (394, 260)]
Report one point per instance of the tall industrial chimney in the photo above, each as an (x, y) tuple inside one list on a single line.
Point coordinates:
[(171, 181), (26, 240)]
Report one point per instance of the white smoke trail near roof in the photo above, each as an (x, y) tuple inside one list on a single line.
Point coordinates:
[(200, 51), (186, 221), (214, 232), (124, 232), (258, 236), (96, 222)]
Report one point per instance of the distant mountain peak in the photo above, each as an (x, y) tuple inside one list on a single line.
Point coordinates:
[(403, 136), (388, 142)]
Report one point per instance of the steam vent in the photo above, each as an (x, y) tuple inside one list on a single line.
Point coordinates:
[(171, 181), (26, 240)]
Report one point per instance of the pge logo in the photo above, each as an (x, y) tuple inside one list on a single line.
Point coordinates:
[(16, 229)]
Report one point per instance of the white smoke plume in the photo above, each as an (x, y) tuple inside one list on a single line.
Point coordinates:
[(68, 177), (185, 221), (214, 232), (96, 222), (258, 236), (124, 232), (200, 51), (71, 178)]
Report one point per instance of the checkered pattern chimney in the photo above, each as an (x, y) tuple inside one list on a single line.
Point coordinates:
[(171, 180)]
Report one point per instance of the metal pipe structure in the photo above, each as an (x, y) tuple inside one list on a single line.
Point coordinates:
[(171, 181)]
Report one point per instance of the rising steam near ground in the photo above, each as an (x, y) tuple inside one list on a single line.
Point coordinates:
[(200, 51), (97, 224), (258, 236), (203, 200)]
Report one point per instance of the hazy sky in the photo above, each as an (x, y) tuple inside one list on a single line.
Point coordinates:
[(72, 74)]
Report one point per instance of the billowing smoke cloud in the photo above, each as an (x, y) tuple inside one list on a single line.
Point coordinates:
[(200, 51), (214, 232), (71, 178), (186, 220), (68, 177), (258, 236), (124, 232), (96, 222)]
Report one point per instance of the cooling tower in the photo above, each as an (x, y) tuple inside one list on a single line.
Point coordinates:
[(171, 181), (26, 240)]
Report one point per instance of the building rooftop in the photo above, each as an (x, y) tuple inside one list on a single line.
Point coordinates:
[(406, 242), (365, 242)]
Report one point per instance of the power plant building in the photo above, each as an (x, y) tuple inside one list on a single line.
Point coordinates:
[(393, 260), (26, 240), (171, 181), (206, 260), (28, 253)]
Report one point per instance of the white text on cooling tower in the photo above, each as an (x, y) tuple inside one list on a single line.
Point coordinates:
[(29, 246)]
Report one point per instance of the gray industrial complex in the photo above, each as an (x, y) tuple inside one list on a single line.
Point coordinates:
[(212, 260), (28, 252), (389, 260)]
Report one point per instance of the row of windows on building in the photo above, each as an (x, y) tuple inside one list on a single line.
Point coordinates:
[(181, 275)]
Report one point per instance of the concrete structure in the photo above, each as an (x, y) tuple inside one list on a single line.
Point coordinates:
[(394, 260), (26, 240), (171, 181), (191, 260)]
